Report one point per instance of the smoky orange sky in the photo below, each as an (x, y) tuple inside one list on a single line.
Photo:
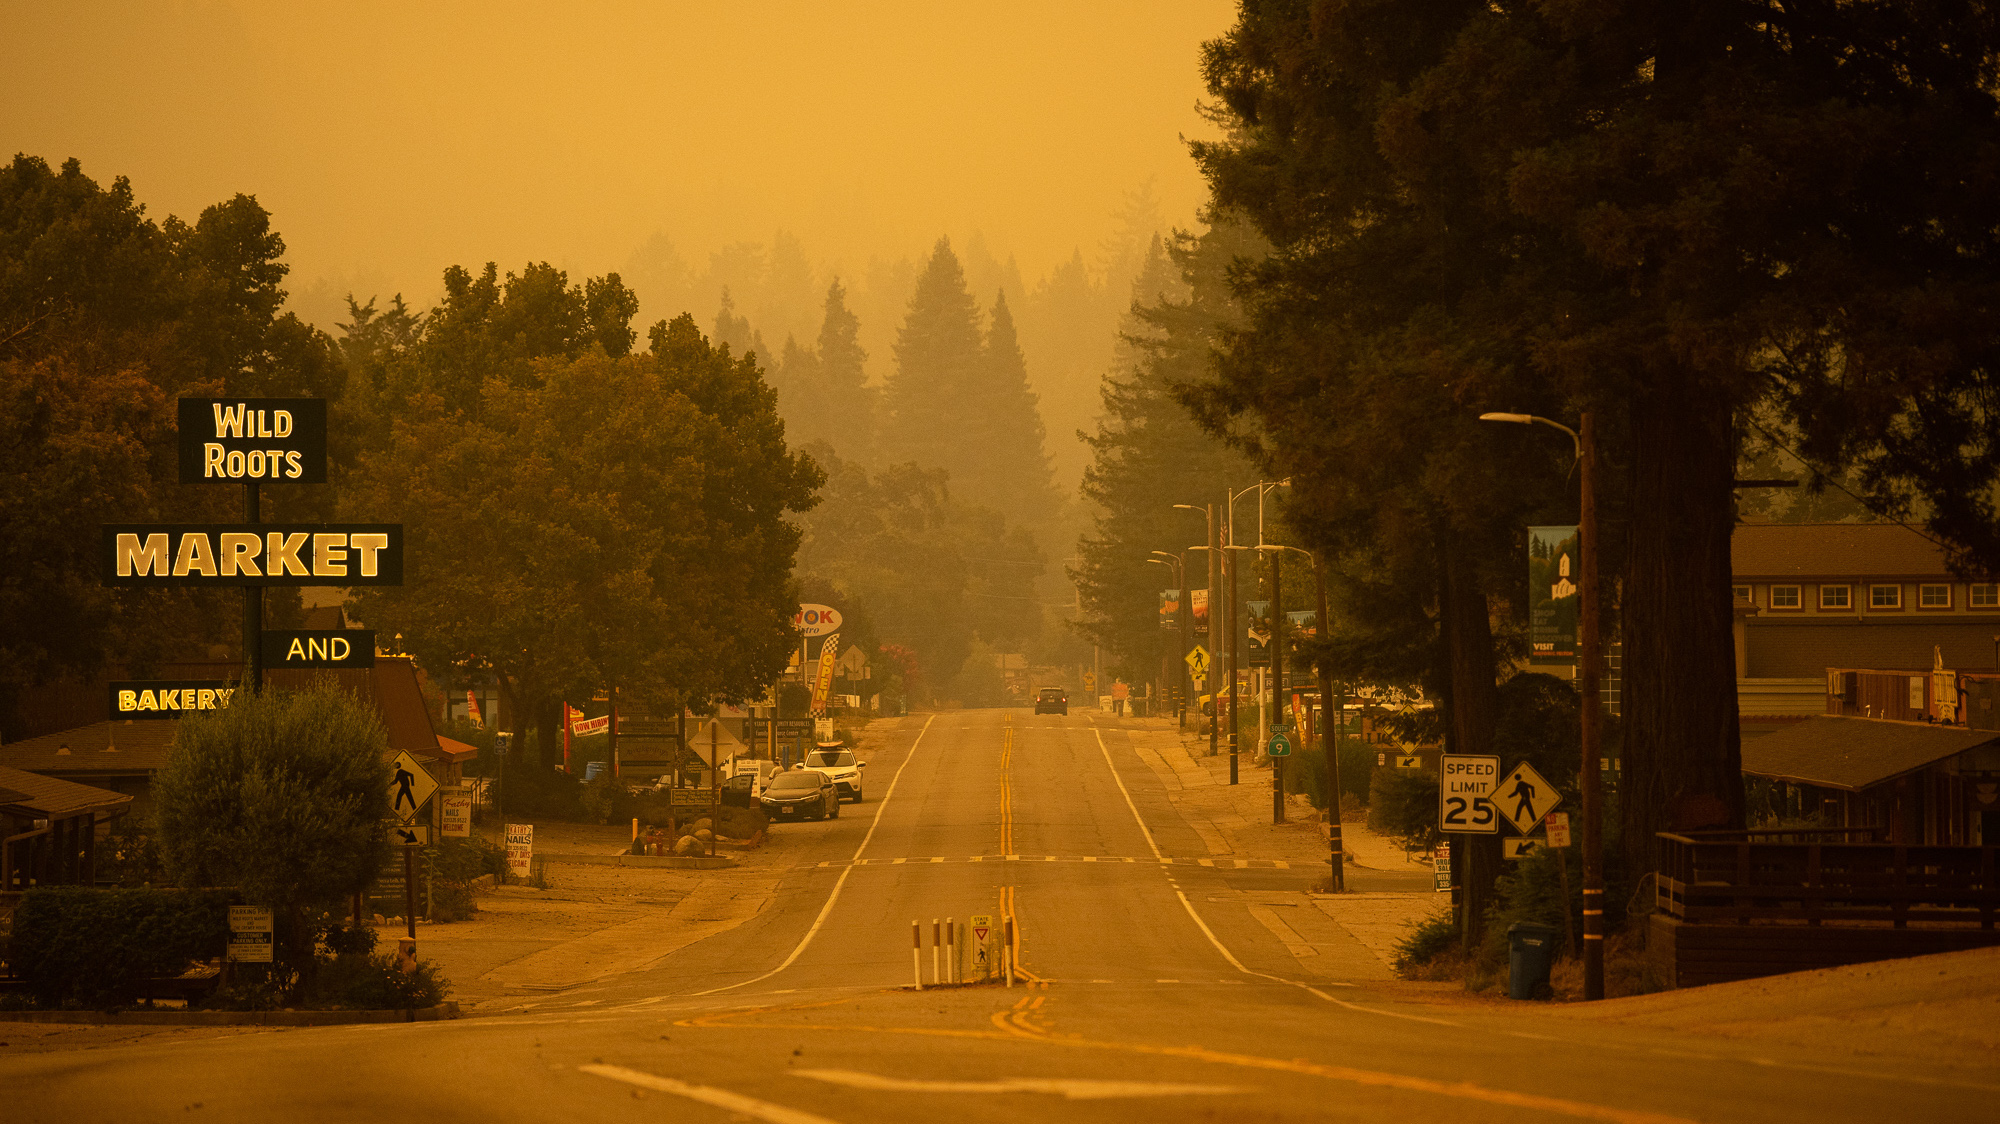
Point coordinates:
[(390, 140)]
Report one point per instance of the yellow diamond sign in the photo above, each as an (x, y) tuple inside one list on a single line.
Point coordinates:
[(1197, 661)]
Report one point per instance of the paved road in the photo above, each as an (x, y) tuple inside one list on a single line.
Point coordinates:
[(1159, 991)]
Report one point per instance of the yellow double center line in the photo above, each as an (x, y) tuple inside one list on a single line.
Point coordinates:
[(1006, 791)]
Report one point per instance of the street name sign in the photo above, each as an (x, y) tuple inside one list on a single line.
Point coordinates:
[(1525, 796), (177, 554), (1197, 661), (319, 649), (409, 786), (249, 935), (1465, 794), (253, 440), (168, 698)]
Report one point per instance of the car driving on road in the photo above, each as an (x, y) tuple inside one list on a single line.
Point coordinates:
[(801, 793), (839, 764), (1052, 700)]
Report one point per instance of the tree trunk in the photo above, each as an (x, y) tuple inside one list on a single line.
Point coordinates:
[(1683, 765), (548, 732), (1469, 640)]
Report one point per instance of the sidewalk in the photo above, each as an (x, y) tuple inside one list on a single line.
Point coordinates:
[(1388, 892)]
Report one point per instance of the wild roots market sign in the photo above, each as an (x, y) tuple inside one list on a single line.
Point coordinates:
[(320, 649), (345, 554), (253, 440)]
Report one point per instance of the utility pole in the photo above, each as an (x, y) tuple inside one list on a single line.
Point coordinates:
[(1214, 623), (1187, 634), (1332, 713), (1277, 680), (1590, 658), (1229, 584)]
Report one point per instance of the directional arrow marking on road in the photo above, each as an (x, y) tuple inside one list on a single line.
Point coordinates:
[(409, 786), (1525, 797), (1069, 1088)]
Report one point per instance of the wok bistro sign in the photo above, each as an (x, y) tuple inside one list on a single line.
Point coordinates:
[(253, 440), (163, 554), (169, 698)]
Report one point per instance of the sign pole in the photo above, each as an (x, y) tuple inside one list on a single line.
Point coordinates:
[(1277, 680), (253, 603), (1214, 632), (1229, 583), (714, 782), (410, 893)]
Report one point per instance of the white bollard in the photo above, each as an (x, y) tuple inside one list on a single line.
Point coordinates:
[(1007, 952), (951, 946), (917, 952), (937, 946)]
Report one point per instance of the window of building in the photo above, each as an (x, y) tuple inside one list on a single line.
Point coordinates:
[(1885, 596), (1836, 597), (1784, 597), (1934, 597), (1982, 596), (1742, 594)]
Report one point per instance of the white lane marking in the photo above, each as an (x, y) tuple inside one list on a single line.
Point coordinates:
[(706, 1094), (1102, 748), (1210, 933), (1075, 1089), (881, 807)]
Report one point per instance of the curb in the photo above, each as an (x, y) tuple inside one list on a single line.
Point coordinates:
[(690, 862), (233, 1018)]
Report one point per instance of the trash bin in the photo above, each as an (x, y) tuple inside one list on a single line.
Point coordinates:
[(1531, 948)]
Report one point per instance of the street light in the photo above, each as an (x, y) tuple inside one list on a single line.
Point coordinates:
[(1588, 660), (1208, 546), (1235, 662)]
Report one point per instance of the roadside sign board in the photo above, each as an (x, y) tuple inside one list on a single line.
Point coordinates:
[(410, 834), (816, 620), (1441, 868), (687, 798), (1465, 794), (1280, 745), (1090, 683), (982, 924), (1516, 846), (1409, 761), (1525, 796), (520, 848), (253, 440), (168, 698), (319, 649), (175, 554), (1197, 661), (409, 786), (249, 935), (455, 808), (1558, 829)]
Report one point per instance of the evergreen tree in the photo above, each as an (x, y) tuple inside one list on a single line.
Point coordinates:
[(938, 354), (1013, 475), (847, 402)]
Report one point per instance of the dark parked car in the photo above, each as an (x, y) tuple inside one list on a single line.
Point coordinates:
[(801, 793), (1052, 700)]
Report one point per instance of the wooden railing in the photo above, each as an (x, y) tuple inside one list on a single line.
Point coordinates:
[(1799, 877)]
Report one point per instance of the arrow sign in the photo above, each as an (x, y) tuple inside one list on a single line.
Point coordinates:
[(1280, 745), (410, 835), (1524, 797), (409, 786)]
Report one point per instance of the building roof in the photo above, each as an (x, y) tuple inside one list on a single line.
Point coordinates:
[(116, 747), (454, 751), (325, 617), (50, 798), (1855, 753), (1833, 550), (127, 747)]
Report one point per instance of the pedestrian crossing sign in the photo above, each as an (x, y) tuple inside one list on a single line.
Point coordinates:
[(410, 784), (1197, 661), (1524, 797)]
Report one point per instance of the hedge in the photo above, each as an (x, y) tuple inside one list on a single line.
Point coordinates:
[(75, 946)]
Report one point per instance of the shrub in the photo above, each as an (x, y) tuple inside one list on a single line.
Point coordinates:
[(527, 790), (1404, 805), (84, 947), (281, 795), (1429, 939), (369, 982), (452, 865)]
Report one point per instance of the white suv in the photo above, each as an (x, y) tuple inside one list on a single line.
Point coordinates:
[(840, 766)]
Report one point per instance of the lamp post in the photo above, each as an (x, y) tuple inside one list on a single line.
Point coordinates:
[(1235, 663), (1330, 718), (1588, 661), (1208, 545)]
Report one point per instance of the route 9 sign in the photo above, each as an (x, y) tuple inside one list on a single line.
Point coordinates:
[(1465, 794)]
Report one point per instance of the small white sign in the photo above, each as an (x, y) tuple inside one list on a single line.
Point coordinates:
[(410, 834), (455, 806), (1465, 794), (520, 848), (249, 935), (1558, 829)]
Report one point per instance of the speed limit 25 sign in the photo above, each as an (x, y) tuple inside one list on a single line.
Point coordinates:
[(1465, 794)]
